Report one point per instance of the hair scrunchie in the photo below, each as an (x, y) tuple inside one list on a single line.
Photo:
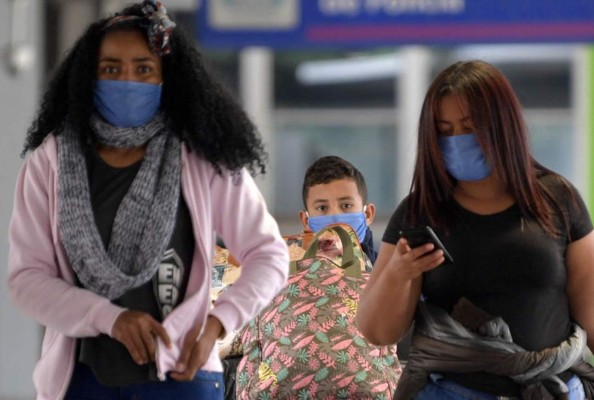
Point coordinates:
[(157, 23)]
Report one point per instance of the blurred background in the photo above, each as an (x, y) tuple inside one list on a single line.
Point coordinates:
[(320, 77)]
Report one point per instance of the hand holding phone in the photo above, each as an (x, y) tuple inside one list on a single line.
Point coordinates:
[(424, 234)]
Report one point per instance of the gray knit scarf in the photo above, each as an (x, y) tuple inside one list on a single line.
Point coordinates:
[(145, 218)]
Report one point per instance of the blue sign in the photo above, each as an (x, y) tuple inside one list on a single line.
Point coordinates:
[(356, 23)]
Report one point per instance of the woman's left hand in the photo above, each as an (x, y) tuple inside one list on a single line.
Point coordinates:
[(197, 349)]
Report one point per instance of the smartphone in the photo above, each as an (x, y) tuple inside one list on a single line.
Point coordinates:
[(422, 235)]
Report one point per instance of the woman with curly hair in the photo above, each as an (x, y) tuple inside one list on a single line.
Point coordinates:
[(137, 159)]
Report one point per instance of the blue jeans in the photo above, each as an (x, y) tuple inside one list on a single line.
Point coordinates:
[(440, 388), (205, 386)]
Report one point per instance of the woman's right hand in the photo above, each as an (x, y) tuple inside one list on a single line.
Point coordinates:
[(411, 263), (389, 300), (138, 331)]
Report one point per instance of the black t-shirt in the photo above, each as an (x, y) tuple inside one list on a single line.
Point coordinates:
[(109, 359), (510, 267)]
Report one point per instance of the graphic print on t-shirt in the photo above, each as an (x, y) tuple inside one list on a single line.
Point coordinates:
[(168, 281)]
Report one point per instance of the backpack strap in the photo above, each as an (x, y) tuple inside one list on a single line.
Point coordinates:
[(350, 263)]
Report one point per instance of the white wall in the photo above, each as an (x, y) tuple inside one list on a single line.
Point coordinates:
[(19, 337)]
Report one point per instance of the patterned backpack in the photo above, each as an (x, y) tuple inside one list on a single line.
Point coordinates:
[(305, 345)]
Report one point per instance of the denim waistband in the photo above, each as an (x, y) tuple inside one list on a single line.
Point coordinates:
[(464, 392), (457, 391)]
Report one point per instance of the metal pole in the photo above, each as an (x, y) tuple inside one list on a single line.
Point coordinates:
[(412, 84), (256, 90), (581, 106)]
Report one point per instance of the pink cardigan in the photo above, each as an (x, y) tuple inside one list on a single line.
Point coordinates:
[(41, 282)]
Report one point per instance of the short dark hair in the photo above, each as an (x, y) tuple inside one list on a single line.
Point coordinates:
[(331, 168)]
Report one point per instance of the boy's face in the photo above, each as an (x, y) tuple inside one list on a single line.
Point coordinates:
[(336, 197)]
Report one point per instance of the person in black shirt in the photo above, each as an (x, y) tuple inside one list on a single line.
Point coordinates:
[(521, 238)]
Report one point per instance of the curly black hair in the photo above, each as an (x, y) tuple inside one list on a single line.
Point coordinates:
[(201, 111)]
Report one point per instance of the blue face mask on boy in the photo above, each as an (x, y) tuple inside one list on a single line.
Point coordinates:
[(463, 157), (127, 104), (356, 220)]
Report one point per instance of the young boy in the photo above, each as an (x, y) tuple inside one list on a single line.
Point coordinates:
[(334, 191)]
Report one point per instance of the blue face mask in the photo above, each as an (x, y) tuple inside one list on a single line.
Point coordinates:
[(463, 157), (356, 220), (127, 103)]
